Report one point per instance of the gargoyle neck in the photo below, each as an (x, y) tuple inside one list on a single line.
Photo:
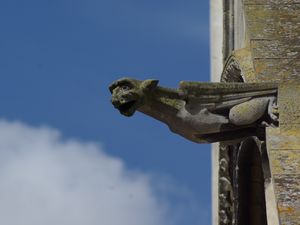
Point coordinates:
[(162, 104)]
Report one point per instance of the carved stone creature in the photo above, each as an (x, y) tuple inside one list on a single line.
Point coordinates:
[(201, 112)]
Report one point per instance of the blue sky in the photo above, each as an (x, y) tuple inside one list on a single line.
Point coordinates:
[(57, 58)]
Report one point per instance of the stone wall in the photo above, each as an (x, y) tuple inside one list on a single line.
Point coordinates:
[(283, 145), (264, 37), (273, 28)]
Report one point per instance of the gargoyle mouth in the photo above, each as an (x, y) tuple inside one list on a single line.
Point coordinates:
[(127, 108)]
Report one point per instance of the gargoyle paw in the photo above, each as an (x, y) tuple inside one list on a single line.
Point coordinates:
[(274, 117), (273, 110), (265, 124)]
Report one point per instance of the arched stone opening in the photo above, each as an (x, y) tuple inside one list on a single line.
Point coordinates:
[(251, 190)]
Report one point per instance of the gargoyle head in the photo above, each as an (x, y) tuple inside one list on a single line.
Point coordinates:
[(130, 94)]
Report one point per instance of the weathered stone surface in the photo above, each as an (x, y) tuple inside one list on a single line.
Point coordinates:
[(287, 140), (245, 61), (273, 37), (285, 162), (276, 69), (283, 146), (274, 13), (275, 49), (288, 198), (273, 21), (284, 155), (269, 2), (274, 32), (289, 103), (273, 28)]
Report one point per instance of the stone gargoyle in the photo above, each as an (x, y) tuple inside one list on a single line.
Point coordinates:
[(201, 112)]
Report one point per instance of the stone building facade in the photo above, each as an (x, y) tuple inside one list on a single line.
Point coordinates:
[(258, 182)]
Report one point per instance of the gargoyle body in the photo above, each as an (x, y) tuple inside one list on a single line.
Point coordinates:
[(201, 112)]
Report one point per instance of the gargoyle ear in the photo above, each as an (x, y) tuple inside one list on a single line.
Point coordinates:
[(112, 87), (149, 84)]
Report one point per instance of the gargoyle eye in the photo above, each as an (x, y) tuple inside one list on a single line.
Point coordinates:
[(125, 87)]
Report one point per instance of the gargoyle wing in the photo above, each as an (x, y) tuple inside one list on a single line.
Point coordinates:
[(216, 96)]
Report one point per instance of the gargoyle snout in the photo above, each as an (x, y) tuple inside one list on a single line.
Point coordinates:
[(117, 101)]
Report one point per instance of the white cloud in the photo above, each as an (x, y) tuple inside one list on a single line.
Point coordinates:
[(45, 180)]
